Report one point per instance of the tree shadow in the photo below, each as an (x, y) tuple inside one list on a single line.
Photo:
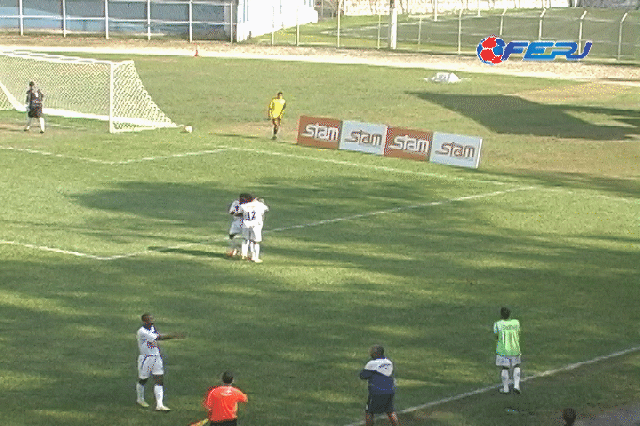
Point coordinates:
[(420, 281), (511, 114), (626, 188)]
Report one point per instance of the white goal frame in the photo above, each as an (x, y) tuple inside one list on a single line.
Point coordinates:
[(76, 87)]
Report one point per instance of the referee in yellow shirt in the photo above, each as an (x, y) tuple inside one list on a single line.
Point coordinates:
[(276, 111)]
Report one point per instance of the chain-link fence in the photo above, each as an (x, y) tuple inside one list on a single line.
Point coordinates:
[(615, 33)]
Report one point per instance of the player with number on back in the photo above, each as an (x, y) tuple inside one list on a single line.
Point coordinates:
[(508, 349), (252, 221), (382, 386)]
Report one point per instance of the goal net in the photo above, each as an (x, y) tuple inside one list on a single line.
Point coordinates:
[(81, 88)]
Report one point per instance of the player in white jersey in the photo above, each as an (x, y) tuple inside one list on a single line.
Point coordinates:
[(252, 221), (235, 231), (150, 361)]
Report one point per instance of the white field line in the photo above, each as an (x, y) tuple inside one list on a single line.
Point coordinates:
[(369, 166), (547, 373), (113, 163), (301, 226), (256, 151), (69, 252), (220, 149), (402, 208)]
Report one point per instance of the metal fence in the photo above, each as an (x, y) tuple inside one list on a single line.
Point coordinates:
[(615, 33)]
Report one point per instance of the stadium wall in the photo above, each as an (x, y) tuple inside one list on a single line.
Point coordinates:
[(258, 17), (193, 19)]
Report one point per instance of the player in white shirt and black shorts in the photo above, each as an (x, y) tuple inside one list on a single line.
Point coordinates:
[(150, 361)]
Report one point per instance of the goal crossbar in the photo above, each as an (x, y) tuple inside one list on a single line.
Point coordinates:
[(85, 88)]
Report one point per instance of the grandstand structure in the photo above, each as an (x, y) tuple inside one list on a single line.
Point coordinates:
[(232, 20)]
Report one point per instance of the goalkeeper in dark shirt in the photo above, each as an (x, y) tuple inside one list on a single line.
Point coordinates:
[(34, 106)]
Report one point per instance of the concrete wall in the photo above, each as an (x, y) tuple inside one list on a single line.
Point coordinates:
[(210, 20), (258, 17)]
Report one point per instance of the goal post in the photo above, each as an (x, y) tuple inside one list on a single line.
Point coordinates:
[(81, 88)]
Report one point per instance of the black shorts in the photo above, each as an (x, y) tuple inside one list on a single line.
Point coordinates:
[(377, 404), (233, 422), (35, 112)]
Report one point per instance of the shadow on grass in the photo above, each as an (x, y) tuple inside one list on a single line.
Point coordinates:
[(188, 252), (299, 327), (620, 187), (510, 114), (243, 136)]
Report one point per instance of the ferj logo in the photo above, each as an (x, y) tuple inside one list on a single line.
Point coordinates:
[(493, 50)]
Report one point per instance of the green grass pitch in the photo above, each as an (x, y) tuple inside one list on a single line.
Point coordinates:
[(98, 228)]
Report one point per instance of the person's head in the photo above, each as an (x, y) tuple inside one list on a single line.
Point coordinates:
[(227, 377), (244, 197), (505, 312), (31, 84), (279, 95), (569, 416), (376, 351), (147, 320)]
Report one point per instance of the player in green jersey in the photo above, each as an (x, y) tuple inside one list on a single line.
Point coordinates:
[(507, 332)]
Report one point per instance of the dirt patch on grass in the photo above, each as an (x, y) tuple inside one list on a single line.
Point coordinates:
[(610, 72)]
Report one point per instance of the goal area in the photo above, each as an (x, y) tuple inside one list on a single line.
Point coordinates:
[(81, 88)]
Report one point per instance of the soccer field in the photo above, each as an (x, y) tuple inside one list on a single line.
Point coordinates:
[(99, 228)]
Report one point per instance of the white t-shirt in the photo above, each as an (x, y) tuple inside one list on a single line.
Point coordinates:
[(253, 213), (235, 209), (147, 341), (236, 223)]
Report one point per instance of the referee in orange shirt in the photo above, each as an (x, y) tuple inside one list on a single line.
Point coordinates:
[(221, 402)]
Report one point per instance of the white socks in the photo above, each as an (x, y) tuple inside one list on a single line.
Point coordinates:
[(516, 378), (158, 391), (140, 391), (249, 247), (504, 374), (505, 380), (41, 122)]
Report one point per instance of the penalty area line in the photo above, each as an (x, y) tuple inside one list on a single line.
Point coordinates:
[(485, 389), (115, 163), (286, 228), (70, 252), (402, 208)]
